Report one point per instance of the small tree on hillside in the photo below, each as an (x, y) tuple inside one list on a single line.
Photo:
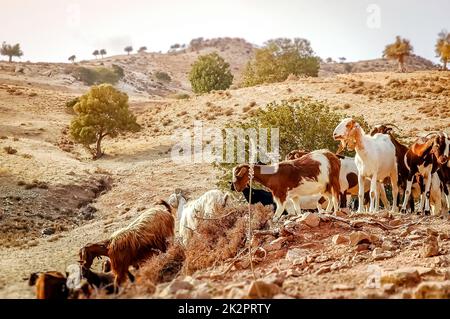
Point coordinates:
[(102, 112), (278, 59), (103, 52), (142, 49), (210, 72), (128, 49), (399, 50), (11, 50), (443, 47), (72, 58), (96, 53)]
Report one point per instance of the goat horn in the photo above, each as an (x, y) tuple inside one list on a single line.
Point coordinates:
[(392, 124), (432, 133)]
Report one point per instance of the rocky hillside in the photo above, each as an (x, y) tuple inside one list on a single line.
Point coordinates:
[(141, 69), (413, 63)]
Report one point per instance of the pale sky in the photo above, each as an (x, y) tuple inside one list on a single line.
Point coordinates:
[(52, 30)]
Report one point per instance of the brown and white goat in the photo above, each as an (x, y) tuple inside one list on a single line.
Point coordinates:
[(149, 234), (441, 151), (420, 160), (314, 173)]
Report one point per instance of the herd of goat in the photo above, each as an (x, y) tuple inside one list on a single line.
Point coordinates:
[(318, 179)]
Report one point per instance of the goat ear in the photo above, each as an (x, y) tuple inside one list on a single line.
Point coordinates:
[(241, 172)]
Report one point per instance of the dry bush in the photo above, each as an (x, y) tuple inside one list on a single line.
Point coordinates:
[(10, 150), (159, 269), (217, 240)]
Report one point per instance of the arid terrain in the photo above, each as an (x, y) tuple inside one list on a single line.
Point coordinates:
[(54, 198)]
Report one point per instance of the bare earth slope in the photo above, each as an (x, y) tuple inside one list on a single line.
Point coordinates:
[(54, 199)]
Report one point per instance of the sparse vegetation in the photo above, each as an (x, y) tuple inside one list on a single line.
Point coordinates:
[(103, 52), (72, 58), (399, 50), (102, 112), (10, 150), (278, 59), (210, 72), (162, 76), (128, 49), (96, 53), (142, 49), (181, 96), (94, 76), (11, 50)]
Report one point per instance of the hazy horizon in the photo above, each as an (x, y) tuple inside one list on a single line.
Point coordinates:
[(51, 31)]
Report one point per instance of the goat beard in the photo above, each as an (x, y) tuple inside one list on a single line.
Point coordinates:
[(347, 144)]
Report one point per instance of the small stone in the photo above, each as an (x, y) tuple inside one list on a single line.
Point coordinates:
[(433, 290), (401, 277), (388, 246), (338, 265), (322, 259), (236, 293), (362, 247), (276, 244), (300, 262), (396, 222), (293, 273), (379, 254), (340, 239), (342, 287), (48, 231), (414, 237), (310, 219), (294, 254), (176, 285), (430, 248), (323, 270), (374, 238), (282, 296), (342, 214), (359, 237), (260, 289)]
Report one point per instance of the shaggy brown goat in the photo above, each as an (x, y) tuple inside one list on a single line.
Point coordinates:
[(146, 236)]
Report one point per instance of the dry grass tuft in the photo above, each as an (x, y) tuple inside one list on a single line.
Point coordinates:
[(162, 268), (217, 240)]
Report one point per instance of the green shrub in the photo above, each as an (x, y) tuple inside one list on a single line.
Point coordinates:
[(304, 124), (210, 72), (118, 70), (278, 59), (162, 76), (90, 76)]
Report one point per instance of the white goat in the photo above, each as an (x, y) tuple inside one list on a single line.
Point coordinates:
[(375, 159), (202, 207), (348, 180)]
